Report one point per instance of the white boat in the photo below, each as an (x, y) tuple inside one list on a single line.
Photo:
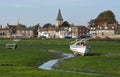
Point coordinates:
[(11, 45), (80, 47)]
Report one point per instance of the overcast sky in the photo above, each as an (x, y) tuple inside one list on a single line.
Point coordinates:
[(32, 12)]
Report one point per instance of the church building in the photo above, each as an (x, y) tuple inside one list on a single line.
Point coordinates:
[(59, 19)]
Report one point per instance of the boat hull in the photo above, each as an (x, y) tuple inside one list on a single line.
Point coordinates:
[(80, 47), (79, 50)]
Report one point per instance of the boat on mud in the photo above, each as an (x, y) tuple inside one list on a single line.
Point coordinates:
[(80, 48)]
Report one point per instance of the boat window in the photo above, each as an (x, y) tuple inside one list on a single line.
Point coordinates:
[(78, 44), (82, 43)]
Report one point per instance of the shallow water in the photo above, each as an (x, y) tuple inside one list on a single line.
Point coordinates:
[(49, 64)]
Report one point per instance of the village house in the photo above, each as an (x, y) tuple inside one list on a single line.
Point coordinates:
[(110, 29), (25, 33), (106, 31), (11, 31), (100, 27), (12, 28), (92, 31), (118, 29), (80, 31), (4, 33), (63, 32), (47, 32), (51, 32)]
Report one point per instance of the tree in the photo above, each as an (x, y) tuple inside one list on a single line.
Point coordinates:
[(91, 23), (21, 26), (47, 25), (106, 17), (65, 24), (35, 28)]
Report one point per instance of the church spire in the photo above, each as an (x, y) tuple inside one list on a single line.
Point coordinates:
[(59, 17)]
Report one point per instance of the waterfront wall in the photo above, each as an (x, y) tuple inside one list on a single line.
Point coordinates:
[(110, 36)]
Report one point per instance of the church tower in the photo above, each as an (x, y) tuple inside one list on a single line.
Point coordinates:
[(59, 19)]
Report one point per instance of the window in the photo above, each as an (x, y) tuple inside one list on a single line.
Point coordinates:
[(26, 31), (112, 27), (78, 44), (106, 27), (18, 32), (23, 31)]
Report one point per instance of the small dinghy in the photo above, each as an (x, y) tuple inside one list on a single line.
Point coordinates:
[(11, 45)]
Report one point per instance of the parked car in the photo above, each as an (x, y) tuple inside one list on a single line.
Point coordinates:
[(83, 37), (68, 37)]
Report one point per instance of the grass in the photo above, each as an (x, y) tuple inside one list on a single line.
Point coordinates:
[(104, 58), (31, 72), (23, 61)]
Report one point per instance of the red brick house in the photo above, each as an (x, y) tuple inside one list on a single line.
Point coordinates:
[(21, 32), (78, 31)]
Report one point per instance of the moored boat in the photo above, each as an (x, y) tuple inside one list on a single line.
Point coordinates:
[(80, 47)]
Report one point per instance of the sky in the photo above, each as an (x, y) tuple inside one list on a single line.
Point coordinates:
[(32, 12)]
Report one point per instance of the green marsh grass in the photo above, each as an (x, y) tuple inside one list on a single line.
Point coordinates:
[(25, 59), (104, 58)]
